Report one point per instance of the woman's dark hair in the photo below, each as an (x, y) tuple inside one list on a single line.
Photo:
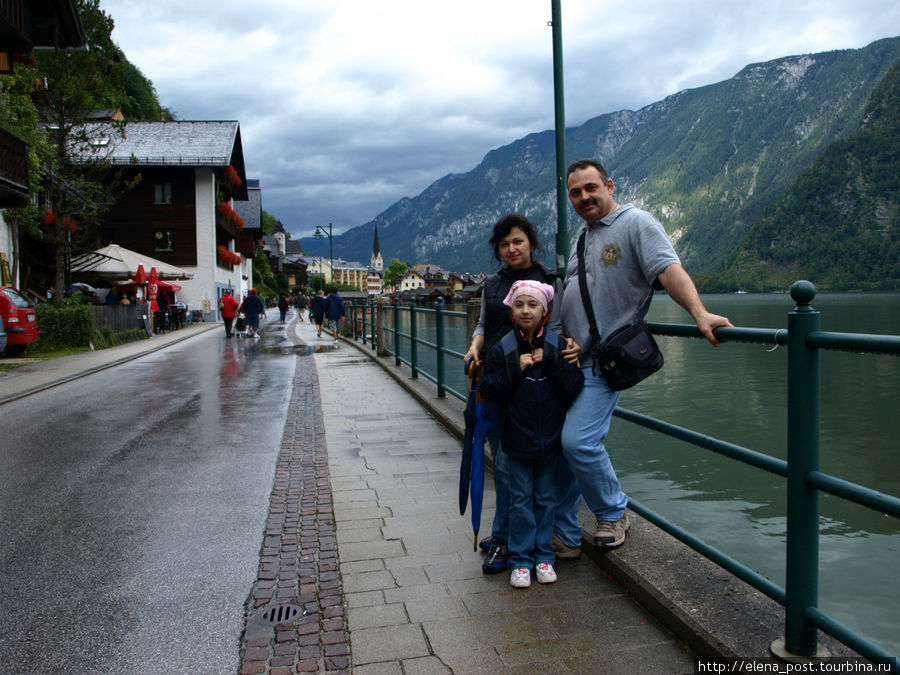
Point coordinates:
[(505, 225)]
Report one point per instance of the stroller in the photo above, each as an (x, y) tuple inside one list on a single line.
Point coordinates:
[(240, 326)]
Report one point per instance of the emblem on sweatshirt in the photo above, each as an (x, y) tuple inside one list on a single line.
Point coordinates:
[(612, 254)]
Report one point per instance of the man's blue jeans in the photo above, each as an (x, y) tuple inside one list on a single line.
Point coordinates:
[(585, 429), (532, 502)]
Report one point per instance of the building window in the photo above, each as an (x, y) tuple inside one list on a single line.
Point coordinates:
[(163, 193), (163, 240)]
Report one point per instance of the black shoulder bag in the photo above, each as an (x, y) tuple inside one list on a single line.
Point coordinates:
[(629, 354)]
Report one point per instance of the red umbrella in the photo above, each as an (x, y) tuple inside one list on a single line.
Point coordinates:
[(140, 277), (153, 289), (132, 284)]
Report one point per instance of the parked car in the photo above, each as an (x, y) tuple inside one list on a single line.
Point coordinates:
[(2, 336), (19, 320)]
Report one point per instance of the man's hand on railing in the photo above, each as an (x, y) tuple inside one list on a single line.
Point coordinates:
[(708, 322)]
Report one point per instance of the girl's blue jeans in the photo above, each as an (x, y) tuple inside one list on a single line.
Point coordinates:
[(532, 502)]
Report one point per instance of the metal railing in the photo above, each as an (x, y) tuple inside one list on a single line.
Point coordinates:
[(805, 482)]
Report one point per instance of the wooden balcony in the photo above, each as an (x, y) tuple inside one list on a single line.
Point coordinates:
[(13, 170)]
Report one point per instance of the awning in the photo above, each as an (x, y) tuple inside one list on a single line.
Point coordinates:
[(115, 262)]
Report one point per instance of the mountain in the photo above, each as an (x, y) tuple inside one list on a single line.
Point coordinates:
[(838, 223), (707, 162)]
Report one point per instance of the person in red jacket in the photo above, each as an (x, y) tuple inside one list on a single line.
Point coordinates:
[(228, 306)]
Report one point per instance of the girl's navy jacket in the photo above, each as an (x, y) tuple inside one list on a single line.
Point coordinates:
[(533, 402)]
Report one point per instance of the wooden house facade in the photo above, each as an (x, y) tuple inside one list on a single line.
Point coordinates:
[(182, 210)]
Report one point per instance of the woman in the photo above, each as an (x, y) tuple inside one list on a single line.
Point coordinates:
[(515, 242)]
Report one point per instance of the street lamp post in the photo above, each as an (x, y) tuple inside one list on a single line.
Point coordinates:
[(321, 232)]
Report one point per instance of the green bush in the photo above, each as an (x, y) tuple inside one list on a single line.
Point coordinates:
[(66, 326)]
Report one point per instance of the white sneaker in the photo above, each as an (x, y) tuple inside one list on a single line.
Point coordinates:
[(545, 573), (520, 578)]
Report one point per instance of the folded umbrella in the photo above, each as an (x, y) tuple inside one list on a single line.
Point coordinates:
[(471, 470)]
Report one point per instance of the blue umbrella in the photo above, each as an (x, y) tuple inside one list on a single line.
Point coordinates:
[(471, 470)]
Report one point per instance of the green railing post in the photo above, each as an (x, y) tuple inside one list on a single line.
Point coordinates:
[(373, 307), (397, 332), (413, 347), (804, 404), (439, 354)]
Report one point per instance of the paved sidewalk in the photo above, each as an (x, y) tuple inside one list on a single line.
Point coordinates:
[(414, 597)]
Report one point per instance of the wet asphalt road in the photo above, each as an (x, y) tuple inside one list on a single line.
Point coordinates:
[(132, 509)]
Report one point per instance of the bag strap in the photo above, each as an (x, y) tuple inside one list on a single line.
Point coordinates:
[(583, 287)]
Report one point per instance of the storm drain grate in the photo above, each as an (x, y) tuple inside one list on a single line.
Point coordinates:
[(280, 614)]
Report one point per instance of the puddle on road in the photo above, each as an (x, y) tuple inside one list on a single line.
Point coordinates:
[(299, 350)]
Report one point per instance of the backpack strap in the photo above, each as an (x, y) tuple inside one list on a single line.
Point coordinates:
[(551, 345), (511, 356), (511, 353)]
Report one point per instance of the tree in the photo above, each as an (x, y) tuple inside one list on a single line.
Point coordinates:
[(19, 114), (395, 269), (76, 193)]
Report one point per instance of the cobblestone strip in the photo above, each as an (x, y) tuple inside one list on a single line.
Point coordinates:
[(299, 563)]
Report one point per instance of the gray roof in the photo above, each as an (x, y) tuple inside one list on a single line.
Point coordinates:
[(167, 143), (292, 247), (251, 210)]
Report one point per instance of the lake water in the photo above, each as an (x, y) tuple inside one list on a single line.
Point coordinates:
[(738, 393)]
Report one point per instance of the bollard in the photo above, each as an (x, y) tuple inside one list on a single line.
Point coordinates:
[(413, 339), (396, 332), (439, 354), (804, 404)]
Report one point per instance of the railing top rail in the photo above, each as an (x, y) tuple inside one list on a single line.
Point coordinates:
[(853, 342), (764, 336)]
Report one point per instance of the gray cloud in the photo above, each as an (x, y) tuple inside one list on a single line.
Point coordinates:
[(346, 107)]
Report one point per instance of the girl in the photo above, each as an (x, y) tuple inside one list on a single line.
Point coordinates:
[(525, 374)]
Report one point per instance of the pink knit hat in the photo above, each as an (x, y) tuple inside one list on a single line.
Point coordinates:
[(543, 293)]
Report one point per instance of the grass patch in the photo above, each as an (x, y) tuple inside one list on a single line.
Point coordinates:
[(8, 363)]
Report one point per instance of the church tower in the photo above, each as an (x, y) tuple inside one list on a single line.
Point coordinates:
[(377, 262)]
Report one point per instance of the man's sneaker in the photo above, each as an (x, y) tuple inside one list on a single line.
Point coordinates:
[(611, 534), (559, 547), (520, 578), (486, 543), (545, 573), (497, 559)]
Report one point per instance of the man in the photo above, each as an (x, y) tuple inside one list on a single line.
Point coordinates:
[(252, 307), (334, 312), (228, 306), (627, 254), (317, 310)]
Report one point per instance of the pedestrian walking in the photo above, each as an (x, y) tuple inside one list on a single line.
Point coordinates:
[(228, 306), (253, 307), (334, 312), (282, 307), (317, 310)]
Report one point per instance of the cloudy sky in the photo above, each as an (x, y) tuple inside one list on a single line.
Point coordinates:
[(347, 106)]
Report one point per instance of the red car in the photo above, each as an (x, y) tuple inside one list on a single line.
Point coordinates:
[(19, 320)]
